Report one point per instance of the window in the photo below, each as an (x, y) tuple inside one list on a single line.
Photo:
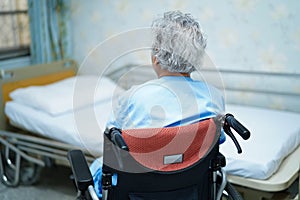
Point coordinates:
[(15, 34)]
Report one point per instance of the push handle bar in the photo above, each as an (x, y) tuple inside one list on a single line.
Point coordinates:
[(237, 126), (231, 122), (117, 138)]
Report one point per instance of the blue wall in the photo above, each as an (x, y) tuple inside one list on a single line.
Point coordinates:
[(260, 35)]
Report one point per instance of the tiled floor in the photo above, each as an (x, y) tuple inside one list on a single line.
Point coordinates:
[(54, 184)]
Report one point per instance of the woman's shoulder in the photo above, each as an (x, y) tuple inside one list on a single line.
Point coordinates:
[(147, 84), (145, 87)]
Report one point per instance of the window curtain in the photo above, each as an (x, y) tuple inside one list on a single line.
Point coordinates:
[(49, 30)]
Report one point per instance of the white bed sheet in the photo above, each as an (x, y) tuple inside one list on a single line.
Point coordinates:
[(274, 135), (83, 128)]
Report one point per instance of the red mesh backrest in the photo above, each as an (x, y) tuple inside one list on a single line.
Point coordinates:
[(152, 147)]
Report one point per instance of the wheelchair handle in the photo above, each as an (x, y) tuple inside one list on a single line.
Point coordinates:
[(237, 126), (116, 138)]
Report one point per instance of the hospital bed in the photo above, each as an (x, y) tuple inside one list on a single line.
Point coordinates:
[(270, 161), (42, 136), (268, 168), (40, 146)]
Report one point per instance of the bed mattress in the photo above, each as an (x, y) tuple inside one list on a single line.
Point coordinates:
[(76, 128), (274, 135)]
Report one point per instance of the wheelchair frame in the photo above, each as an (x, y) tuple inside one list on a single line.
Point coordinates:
[(84, 180)]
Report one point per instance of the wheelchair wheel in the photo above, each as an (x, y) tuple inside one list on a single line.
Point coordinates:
[(231, 193)]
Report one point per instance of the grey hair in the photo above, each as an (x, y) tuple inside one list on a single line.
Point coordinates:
[(178, 42)]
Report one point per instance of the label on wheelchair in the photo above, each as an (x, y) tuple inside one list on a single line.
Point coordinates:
[(172, 159)]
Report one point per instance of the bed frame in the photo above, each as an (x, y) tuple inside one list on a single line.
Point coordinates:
[(19, 145)]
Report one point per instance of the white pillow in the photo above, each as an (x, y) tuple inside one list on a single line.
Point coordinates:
[(68, 94)]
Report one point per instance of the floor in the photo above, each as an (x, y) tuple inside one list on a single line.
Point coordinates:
[(54, 183), (292, 193)]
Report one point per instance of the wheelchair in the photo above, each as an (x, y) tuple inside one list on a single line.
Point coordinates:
[(178, 163)]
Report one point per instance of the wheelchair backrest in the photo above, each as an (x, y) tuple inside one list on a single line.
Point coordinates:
[(164, 163), (171, 148), (163, 149)]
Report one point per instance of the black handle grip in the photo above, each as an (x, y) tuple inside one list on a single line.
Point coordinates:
[(237, 126), (117, 139)]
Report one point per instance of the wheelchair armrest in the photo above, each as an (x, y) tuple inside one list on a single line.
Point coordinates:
[(82, 175)]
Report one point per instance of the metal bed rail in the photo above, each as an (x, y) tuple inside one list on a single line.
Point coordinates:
[(277, 90), (18, 148)]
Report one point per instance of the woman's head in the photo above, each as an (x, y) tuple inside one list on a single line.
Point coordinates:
[(178, 42)]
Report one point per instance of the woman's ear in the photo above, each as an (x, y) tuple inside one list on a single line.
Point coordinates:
[(155, 65), (154, 60)]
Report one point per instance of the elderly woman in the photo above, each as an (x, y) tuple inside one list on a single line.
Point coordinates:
[(174, 99)]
